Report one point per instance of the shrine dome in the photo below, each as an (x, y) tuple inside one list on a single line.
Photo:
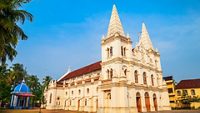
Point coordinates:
[(21, 88)]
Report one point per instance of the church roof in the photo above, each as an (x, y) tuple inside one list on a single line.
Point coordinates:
[(21, 88), (190, 83), (115, 25), (84, 70)]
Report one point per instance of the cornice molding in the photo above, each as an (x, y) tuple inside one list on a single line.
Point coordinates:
[(116, 37), (122, 60)]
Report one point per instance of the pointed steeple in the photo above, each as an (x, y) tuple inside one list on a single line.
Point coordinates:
[(115, 25), (145, 40)]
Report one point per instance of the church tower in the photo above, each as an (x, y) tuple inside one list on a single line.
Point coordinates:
[(145, 46), (116, 48), (116, 55)]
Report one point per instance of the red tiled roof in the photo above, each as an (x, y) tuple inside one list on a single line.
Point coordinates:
[(83, 70), (190, 83)]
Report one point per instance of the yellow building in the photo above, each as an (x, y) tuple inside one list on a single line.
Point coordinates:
[(188, 91), (171, 89), (185, 94)]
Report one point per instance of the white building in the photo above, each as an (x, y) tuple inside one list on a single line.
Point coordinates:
[(126, 80)]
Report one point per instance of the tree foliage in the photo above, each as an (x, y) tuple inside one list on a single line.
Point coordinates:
[(35, 86), (46, 81), (12, 76), (11, 15), (4, 86), (45, 84)]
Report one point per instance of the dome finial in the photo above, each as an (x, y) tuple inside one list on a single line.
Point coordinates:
[(23, 81)]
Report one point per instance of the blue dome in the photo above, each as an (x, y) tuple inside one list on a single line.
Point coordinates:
[(21, 88)]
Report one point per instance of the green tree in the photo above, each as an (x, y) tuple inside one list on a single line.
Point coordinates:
[(9, 78), (17, 74), (11, 15), (35, 87), (4, 86), (46, 81), (45, 84)]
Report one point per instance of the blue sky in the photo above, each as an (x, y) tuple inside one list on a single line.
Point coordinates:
[(68, 33)]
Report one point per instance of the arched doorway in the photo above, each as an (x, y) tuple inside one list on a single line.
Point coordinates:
[(65, 104), (155, 102), (97, 104), (78, 104), (70, 102), (138, 102), (147, 101)]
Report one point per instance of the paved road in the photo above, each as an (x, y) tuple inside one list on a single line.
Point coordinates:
[(172, 111), (64, 111), (177, 111)]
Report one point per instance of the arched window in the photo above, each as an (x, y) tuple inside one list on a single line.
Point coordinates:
[(137, 94), (185, 92), (122, 51), (179, 93), (156, 63), (150, 60), (72, 92), (111, 73), (85, 102), (66, 93), (152, 81), (65, 103), (193, 92), (109, 96), (50, 97), (144, 78), (79, 91), (108, 52), (88, 90), (108, 73), (136, 76), (111, 51), (125, 72), (146, 94), (97, 89), (154, 95)]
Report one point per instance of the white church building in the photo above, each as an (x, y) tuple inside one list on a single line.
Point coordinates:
[(126, 80)]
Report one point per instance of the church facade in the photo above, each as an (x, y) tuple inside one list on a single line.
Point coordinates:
[(126, 80)]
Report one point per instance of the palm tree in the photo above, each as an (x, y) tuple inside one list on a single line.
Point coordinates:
[(35, 87), (4, 86), (17, 74), (46, 81), (45, 84), (10, 16)]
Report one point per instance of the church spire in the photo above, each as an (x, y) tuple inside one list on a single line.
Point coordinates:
[(115, 25), (145, 39)]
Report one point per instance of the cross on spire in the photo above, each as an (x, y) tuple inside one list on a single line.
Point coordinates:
[(115, 25)]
